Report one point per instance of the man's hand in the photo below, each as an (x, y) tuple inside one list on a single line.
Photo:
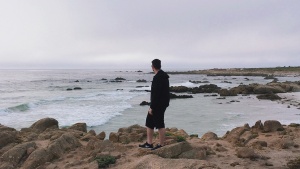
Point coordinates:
[(150, 111)]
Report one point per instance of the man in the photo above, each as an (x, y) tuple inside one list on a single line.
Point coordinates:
[(160, 98)]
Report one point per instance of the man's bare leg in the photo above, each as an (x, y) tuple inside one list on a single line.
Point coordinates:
[(162, 132), (150, 133)]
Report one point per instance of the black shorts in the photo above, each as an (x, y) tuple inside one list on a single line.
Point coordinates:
[(157, 119)]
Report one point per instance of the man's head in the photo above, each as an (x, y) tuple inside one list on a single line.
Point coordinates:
[(156, 63)]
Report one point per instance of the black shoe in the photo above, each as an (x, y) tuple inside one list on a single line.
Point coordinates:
[(146, 145), (156, 147)]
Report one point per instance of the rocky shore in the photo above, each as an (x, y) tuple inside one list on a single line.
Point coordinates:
[(265, 72), (44, 145)]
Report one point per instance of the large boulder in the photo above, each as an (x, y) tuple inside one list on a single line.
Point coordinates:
[(226, 92), (134, 133), (44, 124), (179, 89), (65, 143), (234, 136), (37, 158), (79, 127), (272, 125), (246, 152), (265, 89), (17, 153), (7, 135), (101, 136), (173, 150), (243, 89), (208, 88), (270, 96), (114, 137), (258, 126), (209, 136)]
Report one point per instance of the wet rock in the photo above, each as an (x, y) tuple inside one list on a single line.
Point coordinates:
[(179, 89), (145, 103), (77, 88), (43, 124), (119, 78), (197, 82), (269, 97), (227, 92), (209, 88), (141, 81), (265, 89), (212, 95), (294, 125), (174, 96)]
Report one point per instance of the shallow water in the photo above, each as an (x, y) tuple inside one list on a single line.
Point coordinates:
[(29, 95)]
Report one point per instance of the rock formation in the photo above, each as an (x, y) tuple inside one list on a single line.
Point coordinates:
[(44, 145)]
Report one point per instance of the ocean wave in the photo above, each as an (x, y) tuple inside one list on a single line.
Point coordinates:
[(19, 108), (186, 84)]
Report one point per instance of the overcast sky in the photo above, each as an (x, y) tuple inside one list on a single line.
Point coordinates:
[(192, 34)]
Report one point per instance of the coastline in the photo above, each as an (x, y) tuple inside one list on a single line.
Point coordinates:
[(267, 144), (275, 71), (46, 145)]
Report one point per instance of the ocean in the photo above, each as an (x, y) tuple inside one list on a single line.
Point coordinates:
[(106, 104)]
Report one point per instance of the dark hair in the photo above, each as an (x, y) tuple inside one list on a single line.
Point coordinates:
[(156, 63)]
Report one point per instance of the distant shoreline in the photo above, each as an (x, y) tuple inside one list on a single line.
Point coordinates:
[(274, 71)]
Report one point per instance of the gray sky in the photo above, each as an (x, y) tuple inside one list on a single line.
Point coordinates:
[(193, 34)]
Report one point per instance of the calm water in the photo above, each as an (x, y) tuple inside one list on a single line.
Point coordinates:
[(29, 95)]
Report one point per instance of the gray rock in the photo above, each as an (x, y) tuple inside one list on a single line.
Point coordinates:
[(272, 125), (264, 89)]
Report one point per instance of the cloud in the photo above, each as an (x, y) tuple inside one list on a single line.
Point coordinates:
[(191, 34)]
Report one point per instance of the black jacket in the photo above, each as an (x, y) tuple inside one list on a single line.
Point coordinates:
[(160, 92)]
